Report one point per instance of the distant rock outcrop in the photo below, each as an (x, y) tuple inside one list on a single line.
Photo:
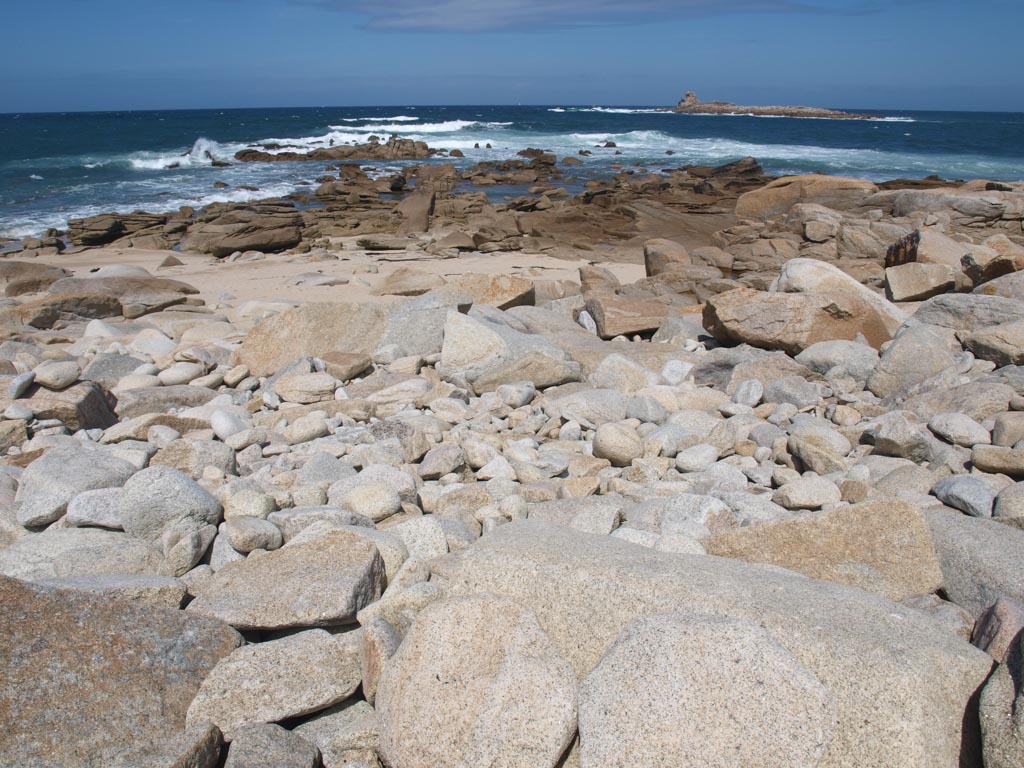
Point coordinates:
[(691, 105)]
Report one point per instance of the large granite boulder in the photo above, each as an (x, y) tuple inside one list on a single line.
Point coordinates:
[(56, 477), (902, 688), (138, 295), (982, 560), (272, 681), (415, 326), (813, 276), (61, 552), (476, 682), (683, 689), (792, 321), (18, 277), (92, 682)]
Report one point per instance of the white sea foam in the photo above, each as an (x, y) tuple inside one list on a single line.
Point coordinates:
[(449, 126), (203, 152), (36, 177), (395, 119), (623, 110)]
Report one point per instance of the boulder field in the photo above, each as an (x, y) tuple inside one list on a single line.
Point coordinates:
[(757, 502)]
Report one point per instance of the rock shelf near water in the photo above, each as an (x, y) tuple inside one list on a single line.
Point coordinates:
[(691, 105), (687, 469)]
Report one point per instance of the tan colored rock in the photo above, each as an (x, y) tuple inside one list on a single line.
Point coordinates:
[(501, 291), (272, 681), (813, 276), (918, 281), (407, 281), (322, 583), (264, 227), (937, 248), (476, 682), (901, 685), (1002, 344), (777, 197), (791, 321), (346, 365), (617, 443), (306, 388), (624, 316), (312, 329), (660, 256), (997, 459), (19, 277), (680, 689), (880, 546)]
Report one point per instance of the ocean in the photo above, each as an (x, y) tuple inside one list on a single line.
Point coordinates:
[(59, 166)]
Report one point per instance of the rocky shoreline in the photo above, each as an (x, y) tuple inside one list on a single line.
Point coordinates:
[(696, 466), (691, 105)]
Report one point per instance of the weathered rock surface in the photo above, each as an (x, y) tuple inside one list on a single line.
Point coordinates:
[(276, 680), (569, 580), (322, 583), (791, 322), (682, 689), (116, 685), (881, 547), (477, 681)]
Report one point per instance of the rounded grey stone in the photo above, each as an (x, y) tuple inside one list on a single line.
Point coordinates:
[(161, 497), (970, 495)]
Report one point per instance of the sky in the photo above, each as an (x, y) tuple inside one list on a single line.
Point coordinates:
[(71, 55)]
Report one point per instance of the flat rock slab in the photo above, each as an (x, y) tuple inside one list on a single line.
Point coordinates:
[(60, 552), (88, 681), (154, 591), (323, 583), (880, 546), (273, 681)]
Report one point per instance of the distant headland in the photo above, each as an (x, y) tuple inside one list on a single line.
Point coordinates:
[(691, 105)]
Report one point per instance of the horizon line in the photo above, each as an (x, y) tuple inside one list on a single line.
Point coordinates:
[(474, 105)]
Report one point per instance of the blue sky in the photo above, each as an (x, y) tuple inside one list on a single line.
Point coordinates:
[(158, 54)]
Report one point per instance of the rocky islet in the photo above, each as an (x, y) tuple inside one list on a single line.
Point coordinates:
[(409, 502)]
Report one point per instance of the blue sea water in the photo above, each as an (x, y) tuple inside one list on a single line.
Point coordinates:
[(54, 167)]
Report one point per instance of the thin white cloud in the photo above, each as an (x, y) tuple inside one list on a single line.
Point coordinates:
[(493, 15)]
